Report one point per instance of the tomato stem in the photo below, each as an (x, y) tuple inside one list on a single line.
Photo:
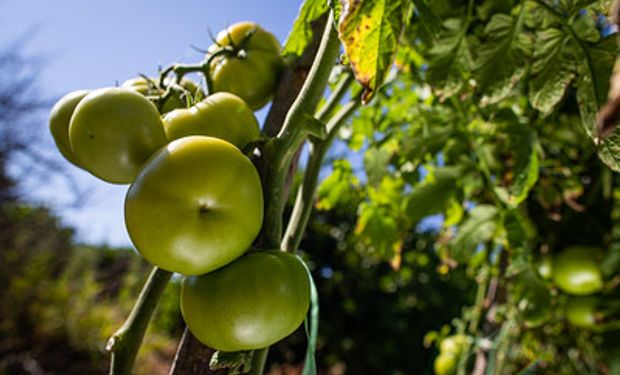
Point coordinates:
[(258, 361), (305, 195), (124, 343), (280, 151)]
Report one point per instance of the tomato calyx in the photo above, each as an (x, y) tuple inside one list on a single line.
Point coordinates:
[(235, 362)]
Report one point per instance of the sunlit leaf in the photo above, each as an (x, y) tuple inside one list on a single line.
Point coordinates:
[(370, 32), (480, 226), (301, 33)]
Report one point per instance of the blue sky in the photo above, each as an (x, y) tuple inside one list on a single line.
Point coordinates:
[(92, 44)]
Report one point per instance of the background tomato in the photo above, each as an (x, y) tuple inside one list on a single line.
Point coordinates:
[(59, 123), (221, 115), (445, 364), (253, 73), (581, 311), (576, 271), (114, 131), (196, 205), (251, 303)]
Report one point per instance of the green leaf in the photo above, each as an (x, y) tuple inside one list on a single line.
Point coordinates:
[(370, 32), (449, 59), (377, 227), (311, 325), (376, 160), (433, 195), (609, 151), (592, 88), (339, 188), (301, 33), (552, 70), (427, 19), (501, 62), (522, 140), (479, 227), (585, 27)]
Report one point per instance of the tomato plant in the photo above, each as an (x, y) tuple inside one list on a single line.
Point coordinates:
[(249, 304), (195, 206), (113, 131), (221, 115), (481, 116), (252, 69)]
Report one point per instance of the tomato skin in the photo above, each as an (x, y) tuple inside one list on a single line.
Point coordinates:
[(141, 85), (195, 206), (253, 74), (445, 364), (249, 304), (576, 271), (60, 117), (222, 115), (113, 131), (453, 344), (581, 311)]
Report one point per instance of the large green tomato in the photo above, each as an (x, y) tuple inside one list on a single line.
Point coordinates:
[(195, 206), (581, 311), (252, 73), (141, 85), (445, 364), (59, 123), (576, 271), (113, 131), (221, 115), (251, 303)]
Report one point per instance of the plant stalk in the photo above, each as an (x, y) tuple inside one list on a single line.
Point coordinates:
[(124, 343)]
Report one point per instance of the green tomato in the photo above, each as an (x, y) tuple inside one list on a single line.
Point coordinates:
[(221, 115), (177, 100), (195, 206), (445, 364), (453, 344), (576, 271), (253, 72), (581, 311), (113, 131), (249, 304), (545, 267), (59, 124)]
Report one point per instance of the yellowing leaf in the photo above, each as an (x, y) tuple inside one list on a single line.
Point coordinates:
[(370, 31)]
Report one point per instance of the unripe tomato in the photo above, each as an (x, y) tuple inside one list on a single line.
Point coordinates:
[(113, 131), (252, 73), (249, 304), (221, 115), (141, 85), (445, 364), (582, 311), (576, 271), (59, 123), (195, 206), (453, 344), (545, 267)]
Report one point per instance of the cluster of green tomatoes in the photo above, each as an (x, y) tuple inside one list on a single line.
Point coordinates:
[(195, 202), (576, 273)]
